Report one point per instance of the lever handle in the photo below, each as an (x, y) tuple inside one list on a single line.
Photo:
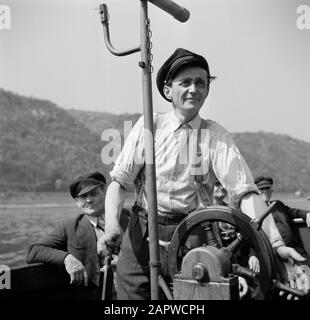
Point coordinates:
[(283, 287), (178, 12), (242, 271), (260, 220)]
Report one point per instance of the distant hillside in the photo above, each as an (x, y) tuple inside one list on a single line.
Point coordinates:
[(284, 158), (99, 121), (280, 156), (42, 147)]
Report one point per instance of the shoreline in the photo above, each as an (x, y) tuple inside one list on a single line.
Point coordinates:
[(24, 200), (40, 205)]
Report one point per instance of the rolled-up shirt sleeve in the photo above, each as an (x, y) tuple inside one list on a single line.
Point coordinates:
[(131, 159), (231, 168), (235, 176)]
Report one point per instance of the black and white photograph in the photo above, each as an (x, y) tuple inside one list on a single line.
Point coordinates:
[(155, 150)]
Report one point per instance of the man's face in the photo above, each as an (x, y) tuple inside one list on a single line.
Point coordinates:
[(188, 91), (92, 203), (266, 193)]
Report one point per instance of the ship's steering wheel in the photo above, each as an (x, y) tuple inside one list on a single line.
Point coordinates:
[(249, 232)]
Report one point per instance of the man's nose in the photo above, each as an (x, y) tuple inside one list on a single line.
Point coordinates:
[(89, 199), (192, 88)]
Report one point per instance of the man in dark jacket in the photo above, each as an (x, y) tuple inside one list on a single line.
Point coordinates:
[(283, 216), (75, 243)]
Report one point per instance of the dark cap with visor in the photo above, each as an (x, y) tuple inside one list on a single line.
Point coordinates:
[(180, 59), (263, 182), (87, 183)]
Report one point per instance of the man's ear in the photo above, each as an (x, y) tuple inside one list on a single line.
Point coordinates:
[(167, 91)]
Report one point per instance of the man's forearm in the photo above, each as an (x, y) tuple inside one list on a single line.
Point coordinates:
[(253, 206), (41, 253), (115, 198)]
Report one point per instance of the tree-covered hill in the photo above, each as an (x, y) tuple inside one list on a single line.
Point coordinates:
[(280, 156), (42, 147), (97, 122), (284, 158)]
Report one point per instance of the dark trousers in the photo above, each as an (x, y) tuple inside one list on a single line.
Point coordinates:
[(133, 272)]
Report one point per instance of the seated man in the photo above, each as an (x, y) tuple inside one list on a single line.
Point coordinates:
[(283, 216), (74, 243)]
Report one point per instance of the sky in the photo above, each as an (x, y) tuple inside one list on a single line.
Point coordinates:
[(54, 50)]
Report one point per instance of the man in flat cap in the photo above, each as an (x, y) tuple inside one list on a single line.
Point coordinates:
[(283, 215), (191, 153), (284, 218), (75, 243)]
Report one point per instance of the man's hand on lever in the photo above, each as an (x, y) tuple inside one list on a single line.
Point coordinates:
[(115, 198), (308, 219), (112, 239)]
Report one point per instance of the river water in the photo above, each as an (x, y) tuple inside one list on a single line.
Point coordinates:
[(23, 224)]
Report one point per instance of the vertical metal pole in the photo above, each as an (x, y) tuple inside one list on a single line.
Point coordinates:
[(149, 153)]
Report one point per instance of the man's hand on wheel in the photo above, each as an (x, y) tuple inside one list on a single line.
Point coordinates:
[(289, 254)]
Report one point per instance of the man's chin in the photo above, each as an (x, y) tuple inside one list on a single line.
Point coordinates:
[(91, 211), (192, 105), (95, 214)]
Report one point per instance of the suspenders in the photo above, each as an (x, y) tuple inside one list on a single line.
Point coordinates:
[(202, 197)]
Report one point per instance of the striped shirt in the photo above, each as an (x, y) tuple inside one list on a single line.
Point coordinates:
[(181, 151)]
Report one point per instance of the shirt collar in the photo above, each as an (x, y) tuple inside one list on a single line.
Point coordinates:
[(195, 123), (94, 220), (173, 123)]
